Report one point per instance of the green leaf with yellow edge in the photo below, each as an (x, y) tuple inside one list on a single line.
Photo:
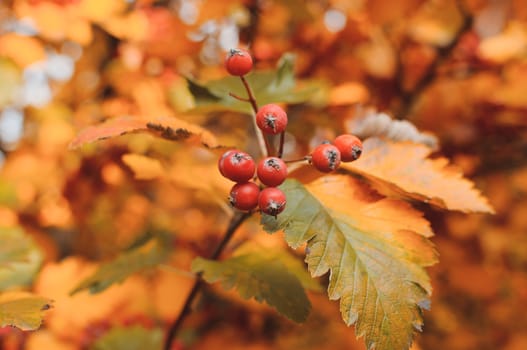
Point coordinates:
[(256, 274), (20, 258), (403, 170), (146, 256), (279, 86), (374, 248), (22, 310), (131, 338)]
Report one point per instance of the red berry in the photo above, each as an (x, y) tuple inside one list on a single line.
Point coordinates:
[(239, 62), (272, 201), (326, 158), (237, 166), (271, 171), (221, 160), (271, 119), (350, 147), (244, 196)]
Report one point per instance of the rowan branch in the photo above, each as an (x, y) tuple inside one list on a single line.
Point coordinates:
[(235, 222)]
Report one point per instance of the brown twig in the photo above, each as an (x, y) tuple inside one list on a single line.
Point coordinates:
[(281, 144), (235, 222)]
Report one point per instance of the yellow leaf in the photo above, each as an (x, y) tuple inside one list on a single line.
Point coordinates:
[(347, 197), (511, 43), (144, 168), (133, 26), (23, 50), (101, 10), (80, 31), (436, 23), (402, 170), (22, 310)]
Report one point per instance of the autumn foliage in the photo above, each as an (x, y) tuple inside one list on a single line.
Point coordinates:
[(115, 221)]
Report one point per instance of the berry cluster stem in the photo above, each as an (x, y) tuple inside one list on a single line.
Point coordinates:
[(281, 145), (234, 223), (303, 159), (262, 139), (252, 99)]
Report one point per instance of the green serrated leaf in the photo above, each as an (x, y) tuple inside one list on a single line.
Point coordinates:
[(374, 248), (22, 310), (133, 338), (292, 264), (146, 256), (20, 258), (277, 86), (258, 276)]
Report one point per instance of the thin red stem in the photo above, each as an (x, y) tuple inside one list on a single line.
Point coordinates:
[(281, 145), (251, 99), (303, 159), (239, 98), (262, 138)]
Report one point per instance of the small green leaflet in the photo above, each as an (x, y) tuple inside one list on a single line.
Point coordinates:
[(277, 86), (22, 310), (20, 258), (132, 338), (374, 248), (147, 255), (258, 275)]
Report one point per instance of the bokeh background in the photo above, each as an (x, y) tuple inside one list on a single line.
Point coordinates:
[(457, 69)]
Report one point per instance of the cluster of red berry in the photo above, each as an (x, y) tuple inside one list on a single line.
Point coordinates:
[(271, 172), (240, 167), (327, 157)]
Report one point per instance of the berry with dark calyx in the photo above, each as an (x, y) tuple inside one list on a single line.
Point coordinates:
[(271, 119), (272, 201), (325, 158), (222, 159), (271, 171), (350, 147), (244, 196), (237, 166), (238, 62)]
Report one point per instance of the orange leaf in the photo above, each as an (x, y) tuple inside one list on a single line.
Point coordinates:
[(111, 128), (166, 127), (348, 93), (403, 170), (144, 168)]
